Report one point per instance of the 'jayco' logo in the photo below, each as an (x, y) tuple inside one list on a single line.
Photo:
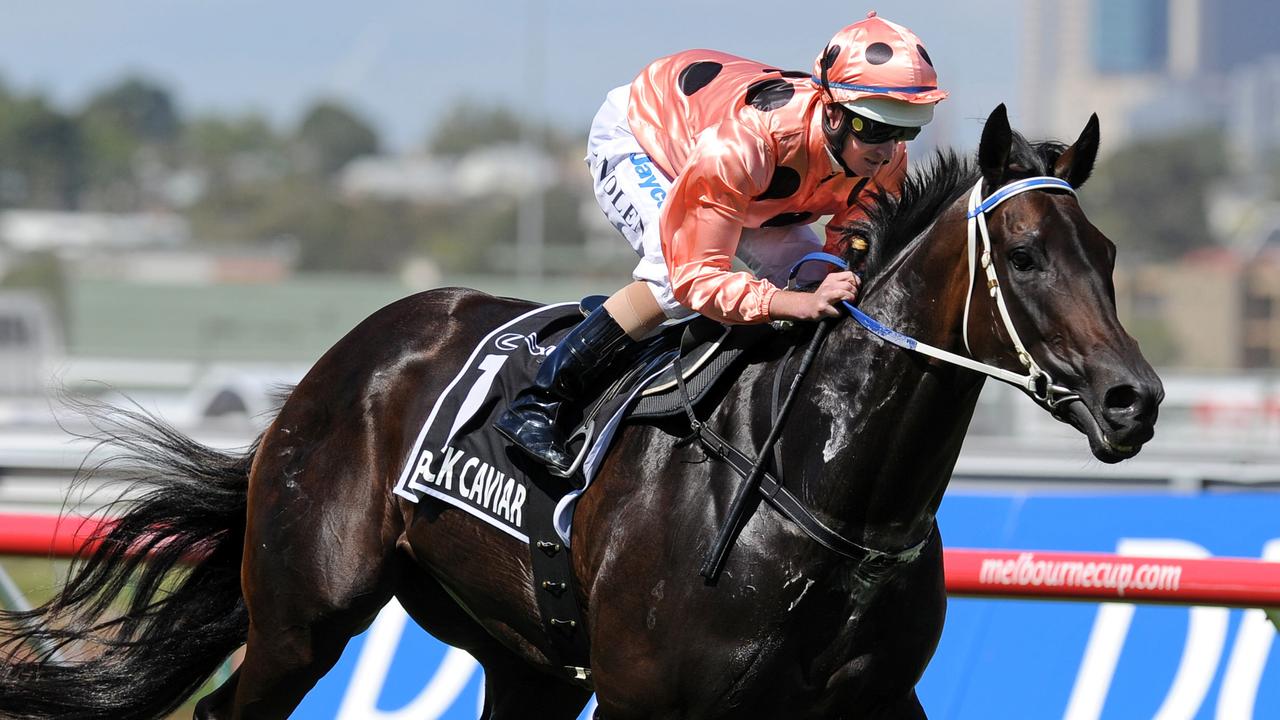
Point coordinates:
[(648, 177), (511, 341)]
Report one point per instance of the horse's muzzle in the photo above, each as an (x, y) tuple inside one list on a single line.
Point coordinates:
[(1131, 409), (1121, 423)]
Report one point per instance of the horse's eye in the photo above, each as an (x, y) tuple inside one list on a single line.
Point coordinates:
[(1021, 259)]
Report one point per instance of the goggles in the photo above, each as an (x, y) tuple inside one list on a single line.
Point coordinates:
[(874, 132)]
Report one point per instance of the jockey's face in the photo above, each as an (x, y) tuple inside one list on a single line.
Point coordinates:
[(866, 158), (863, 157)]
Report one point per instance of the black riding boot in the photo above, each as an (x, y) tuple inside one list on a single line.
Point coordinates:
[(584, 357)]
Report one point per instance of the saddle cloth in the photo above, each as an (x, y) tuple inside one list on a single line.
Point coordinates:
[(459, 459)]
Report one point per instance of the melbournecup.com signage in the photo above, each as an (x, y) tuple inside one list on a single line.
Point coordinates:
[(1083, 660), (997, 658)]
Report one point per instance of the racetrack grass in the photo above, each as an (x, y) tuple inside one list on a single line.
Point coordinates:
[(39, 580)]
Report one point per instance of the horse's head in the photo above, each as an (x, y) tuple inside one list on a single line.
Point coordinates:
[(1053, 269)]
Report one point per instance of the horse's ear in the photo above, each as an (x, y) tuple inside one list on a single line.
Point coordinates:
[(1076, 163), (993, 149)]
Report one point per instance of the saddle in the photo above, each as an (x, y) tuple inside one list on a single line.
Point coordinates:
[(459, 460), (699, 350)]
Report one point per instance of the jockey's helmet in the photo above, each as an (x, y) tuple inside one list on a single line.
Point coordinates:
[(878, 71)]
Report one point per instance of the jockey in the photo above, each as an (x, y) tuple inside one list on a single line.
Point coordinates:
[(707, 156)]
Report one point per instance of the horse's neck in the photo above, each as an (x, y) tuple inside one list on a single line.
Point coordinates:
[(884, 425)]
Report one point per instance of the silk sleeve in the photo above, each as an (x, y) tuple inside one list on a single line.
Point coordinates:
[(703, 220)]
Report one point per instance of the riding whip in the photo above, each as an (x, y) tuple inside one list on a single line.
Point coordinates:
[(729, 530)]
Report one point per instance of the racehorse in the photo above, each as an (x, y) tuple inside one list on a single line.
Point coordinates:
[(294, 546)]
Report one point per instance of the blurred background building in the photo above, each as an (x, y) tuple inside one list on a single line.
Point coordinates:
[(198, 199), (1152, 66), (1187, 91), (192, 222)]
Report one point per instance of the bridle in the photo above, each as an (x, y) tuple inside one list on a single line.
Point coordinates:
[(1036, 382)]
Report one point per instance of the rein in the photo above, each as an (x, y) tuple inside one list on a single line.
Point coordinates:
[(1036, 382)]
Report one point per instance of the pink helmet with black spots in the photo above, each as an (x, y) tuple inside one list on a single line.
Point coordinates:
[(880, 69)]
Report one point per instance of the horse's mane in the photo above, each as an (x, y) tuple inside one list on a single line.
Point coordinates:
[(893, 221)]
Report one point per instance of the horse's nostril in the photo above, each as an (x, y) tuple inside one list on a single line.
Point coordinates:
[(1121, 397)]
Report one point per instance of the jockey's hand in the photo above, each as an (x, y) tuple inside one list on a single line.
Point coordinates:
[(834, 289)]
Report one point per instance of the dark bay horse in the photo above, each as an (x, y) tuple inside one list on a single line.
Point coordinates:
[(299, 542)]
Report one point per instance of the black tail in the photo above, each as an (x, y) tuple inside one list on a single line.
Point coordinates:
[(151, 613)]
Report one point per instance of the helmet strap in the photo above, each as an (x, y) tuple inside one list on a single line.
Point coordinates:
[(837, 134)]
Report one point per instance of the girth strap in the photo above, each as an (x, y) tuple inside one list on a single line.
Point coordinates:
[(554, 588)]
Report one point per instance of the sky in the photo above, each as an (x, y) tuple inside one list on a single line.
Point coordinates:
[(402, 63)]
